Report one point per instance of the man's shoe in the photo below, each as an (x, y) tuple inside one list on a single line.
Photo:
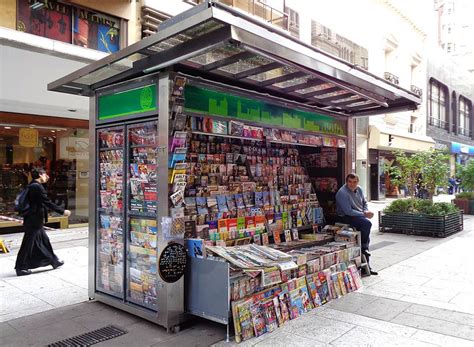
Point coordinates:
[(374, 273), (57, 264), (23, 272), (366, 253)]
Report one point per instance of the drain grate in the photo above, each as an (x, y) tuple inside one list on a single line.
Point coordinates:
[(91, 338)]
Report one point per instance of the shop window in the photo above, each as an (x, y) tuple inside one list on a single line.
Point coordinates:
[(70, 24), (438, 105), (64, 154), (465, 114)]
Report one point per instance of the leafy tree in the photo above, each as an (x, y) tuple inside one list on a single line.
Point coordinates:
[(466, 174), (435, 171), (428, 169), (406, 169)]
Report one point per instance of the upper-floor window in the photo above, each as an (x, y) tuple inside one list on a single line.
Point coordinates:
[(71, 24), (465, 114), (438, 105)]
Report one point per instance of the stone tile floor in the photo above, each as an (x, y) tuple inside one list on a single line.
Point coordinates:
[(423, 296)]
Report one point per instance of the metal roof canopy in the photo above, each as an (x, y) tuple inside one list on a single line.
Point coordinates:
[(218, 43)]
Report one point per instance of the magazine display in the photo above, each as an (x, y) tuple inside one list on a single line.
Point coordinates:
[(143, 167), (229, 180), (263, 311), (142, 262), (265, 299), (110, 218)]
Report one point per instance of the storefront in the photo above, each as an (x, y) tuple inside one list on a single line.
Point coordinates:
[(60, 146), (463, 152), (216, 131), (382, 145)]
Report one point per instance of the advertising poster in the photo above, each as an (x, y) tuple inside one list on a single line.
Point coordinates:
[(51, 19), (96, 31)]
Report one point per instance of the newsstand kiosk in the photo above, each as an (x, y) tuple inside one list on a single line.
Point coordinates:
[(205, 104)]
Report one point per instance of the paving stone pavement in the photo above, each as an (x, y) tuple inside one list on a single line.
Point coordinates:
[(422, 296)]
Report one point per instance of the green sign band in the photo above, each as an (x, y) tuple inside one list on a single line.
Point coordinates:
[(210, 102), (126, 103)]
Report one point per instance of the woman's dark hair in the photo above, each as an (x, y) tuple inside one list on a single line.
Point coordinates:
[(35, 173)]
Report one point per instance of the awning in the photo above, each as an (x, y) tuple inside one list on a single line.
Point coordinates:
[(392, 140), (215, 42)]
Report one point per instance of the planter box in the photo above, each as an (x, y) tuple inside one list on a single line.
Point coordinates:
[(436, 226), (463, 204), (471, 207)]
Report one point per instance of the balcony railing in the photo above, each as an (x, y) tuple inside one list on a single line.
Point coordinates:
[(259, 9), (464, 132), (391, 78), (438, 123), (417, 90)]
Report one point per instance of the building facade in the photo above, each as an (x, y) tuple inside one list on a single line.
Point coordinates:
[(40, 41), (449, 104), (455, 30)]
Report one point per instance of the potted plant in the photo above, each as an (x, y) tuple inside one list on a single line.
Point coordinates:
[(465, 201), (421, 216)]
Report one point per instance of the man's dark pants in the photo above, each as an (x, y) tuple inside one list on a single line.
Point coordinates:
[(363, 225)]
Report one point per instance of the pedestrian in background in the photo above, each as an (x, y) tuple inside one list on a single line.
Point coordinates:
[(36, 250)]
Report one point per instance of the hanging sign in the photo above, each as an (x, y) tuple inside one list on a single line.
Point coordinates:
[(172, 263), (127, 103), (28, 137)]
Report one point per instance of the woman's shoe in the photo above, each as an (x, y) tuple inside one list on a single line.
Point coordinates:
[(23, 272), (57, 264)]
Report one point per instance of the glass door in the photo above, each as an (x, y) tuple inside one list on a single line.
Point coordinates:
[(110, 211), (142, 208)]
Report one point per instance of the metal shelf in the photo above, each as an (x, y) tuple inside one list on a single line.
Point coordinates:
[(254, 139)]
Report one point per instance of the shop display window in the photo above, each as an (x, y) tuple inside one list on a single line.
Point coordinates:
[(62, 152)]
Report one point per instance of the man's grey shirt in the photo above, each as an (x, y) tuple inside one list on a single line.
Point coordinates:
[(350, 203)]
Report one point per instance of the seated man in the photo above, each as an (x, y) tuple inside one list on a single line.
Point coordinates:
[(352, 209)]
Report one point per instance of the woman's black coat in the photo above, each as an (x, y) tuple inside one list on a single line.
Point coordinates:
[(36, 250), (39, 204)]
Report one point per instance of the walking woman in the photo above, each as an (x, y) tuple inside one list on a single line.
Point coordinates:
[(36, 250)]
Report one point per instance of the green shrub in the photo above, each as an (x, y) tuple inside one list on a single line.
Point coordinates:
[(421, 206), (465, 195), (400, 206), (441, 209)]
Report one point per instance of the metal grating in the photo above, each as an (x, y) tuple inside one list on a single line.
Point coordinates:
[(91, 338)]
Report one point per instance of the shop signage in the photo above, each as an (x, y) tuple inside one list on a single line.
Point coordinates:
[(126, 103), (28, 137), (210, 102), (172, 262), (461, 148)]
